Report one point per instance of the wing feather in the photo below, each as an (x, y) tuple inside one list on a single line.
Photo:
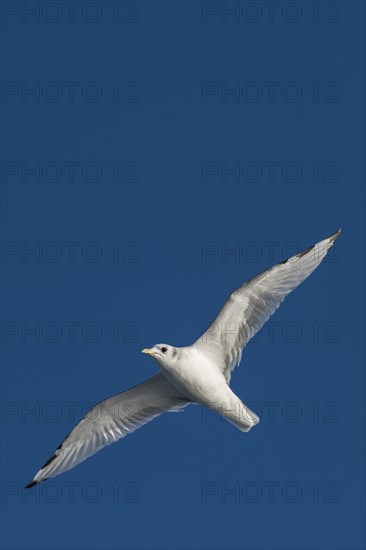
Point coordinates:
[(251, 305), (109, 421)]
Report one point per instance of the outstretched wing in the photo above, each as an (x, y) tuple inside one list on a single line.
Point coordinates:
[(251, 305), (111, 420)]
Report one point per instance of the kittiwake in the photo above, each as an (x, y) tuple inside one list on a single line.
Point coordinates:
[(199, 373)]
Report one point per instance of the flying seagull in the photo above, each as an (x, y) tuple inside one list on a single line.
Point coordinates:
[(199, 373)]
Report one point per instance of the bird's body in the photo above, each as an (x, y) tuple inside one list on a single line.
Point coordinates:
[(199, 373), (195, 375)]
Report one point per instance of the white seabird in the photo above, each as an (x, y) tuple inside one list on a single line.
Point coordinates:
[(199, 373)]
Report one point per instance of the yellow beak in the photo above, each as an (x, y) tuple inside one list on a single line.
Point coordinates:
[(148, 351)]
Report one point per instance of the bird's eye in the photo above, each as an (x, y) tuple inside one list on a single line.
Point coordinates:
[(164, 350)]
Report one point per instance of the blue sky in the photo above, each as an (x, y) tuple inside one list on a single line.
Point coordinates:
[(154, 156)]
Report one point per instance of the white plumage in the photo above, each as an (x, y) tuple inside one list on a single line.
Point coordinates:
[(196, 374)]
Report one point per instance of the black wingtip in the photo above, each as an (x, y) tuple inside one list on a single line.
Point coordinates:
[(335, 235), (31, 484)]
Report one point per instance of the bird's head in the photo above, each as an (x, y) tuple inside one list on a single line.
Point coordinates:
[(163, 354)]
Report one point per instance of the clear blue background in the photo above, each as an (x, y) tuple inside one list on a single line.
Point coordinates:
[(169, 292)]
